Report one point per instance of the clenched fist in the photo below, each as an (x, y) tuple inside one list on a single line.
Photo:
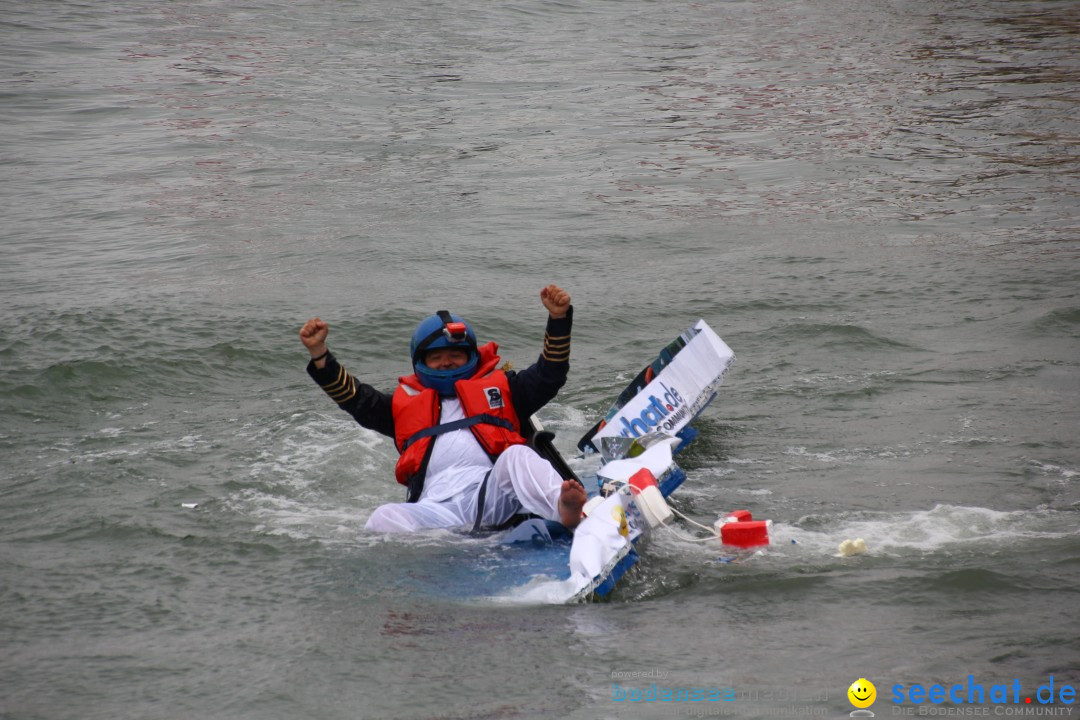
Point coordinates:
[(556, 300), (313, 335)]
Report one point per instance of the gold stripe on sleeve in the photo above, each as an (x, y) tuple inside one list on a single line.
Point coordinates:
[(346, 394), (556, 349), (339, 382), (343, 388)]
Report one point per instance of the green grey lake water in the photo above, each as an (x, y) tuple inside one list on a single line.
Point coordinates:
[(875, 204)]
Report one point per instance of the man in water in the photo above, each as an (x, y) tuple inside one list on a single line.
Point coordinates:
[(457, 422)]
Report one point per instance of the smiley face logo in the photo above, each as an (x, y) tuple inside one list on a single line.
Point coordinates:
[(862, 693)]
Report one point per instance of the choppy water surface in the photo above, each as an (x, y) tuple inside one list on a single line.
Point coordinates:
[(875, 205)]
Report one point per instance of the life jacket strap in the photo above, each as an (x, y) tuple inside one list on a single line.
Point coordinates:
[(480, 528), (480, 495), (457, 425)]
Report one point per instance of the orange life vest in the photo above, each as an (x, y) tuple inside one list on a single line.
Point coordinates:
[(489, 415)]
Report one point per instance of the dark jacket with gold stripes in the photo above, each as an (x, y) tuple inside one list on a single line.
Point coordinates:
[(530, 389)]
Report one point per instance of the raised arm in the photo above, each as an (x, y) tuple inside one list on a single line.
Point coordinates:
[(368, 406), (536, 385)]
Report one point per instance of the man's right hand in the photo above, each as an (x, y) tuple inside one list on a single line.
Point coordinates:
[(313, 335)]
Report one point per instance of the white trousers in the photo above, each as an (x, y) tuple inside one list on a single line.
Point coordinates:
[(520, 481)]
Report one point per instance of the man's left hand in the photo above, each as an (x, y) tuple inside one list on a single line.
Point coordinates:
[(556, 300)]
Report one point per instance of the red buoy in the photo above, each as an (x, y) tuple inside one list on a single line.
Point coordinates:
[(740, 529)]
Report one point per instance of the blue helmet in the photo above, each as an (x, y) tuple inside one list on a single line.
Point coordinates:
[(443, 330)]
